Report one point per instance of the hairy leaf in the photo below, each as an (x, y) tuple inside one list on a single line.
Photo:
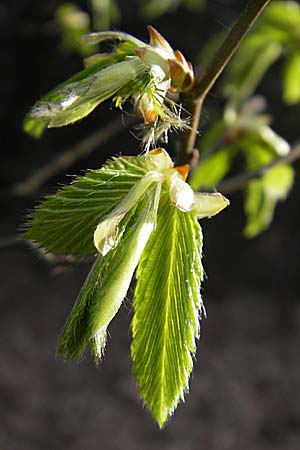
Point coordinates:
[(82, 93), (65, 222), (107, 284), (167, 303)]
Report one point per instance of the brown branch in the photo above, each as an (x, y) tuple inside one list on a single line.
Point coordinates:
[(194, 99), (238, 182), (67, 159)]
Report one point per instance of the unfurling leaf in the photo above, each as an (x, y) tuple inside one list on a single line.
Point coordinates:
[(107, 284), (107, 230), (136, 71), (66, 221), (167, 305), (137, 212)]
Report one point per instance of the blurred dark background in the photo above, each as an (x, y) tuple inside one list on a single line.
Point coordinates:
[(244, 392)]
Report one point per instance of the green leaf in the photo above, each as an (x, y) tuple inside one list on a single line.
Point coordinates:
[(153, 9), (81, 94), (167, 303), (107, 284), (73, 23), (208, 204), (262, 196), (105, 14), (105, 235), (212, 169), (282, 16), (65, 222), (291, 79), (34, 126), (249, 65)]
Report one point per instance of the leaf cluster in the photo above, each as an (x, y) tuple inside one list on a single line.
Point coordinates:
[(244, 130), (138, 213)]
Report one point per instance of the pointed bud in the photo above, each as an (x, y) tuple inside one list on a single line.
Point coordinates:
[(158, 41), (182, 74)]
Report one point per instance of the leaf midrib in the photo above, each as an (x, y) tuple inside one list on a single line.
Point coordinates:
[(165, 328)]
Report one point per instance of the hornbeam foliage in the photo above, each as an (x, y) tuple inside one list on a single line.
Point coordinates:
[(134, 212)]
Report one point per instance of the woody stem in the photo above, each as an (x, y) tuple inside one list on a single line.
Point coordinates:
[(193, 100)]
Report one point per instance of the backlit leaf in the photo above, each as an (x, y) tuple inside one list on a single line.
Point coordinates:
[(212, 169), (107, 284), (65, 222), (167, 305), (262, 196), (291, 79)]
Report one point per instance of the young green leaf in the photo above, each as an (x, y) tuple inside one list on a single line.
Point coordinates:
[(262, 196), (107, 284), (291, 79), (249, 65), (105, 13), (73, 23), (167, 304), (208, 204), (74, 100), (211, 169), (65, 222), (105, 236), (282, 16)]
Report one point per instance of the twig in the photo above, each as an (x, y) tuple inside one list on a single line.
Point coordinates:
[(67, 158), (195, 98), (238, 182)]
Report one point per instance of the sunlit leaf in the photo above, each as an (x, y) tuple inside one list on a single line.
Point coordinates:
[(167, 304), (212, 169), (73, 23), (208, 204), (81, 94), (291, 79), (105, 13), (282, 16), (65, 222), (249, 65), (262, 196), (107, 284)]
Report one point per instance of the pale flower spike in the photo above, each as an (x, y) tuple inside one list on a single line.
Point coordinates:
[(145, 74)]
